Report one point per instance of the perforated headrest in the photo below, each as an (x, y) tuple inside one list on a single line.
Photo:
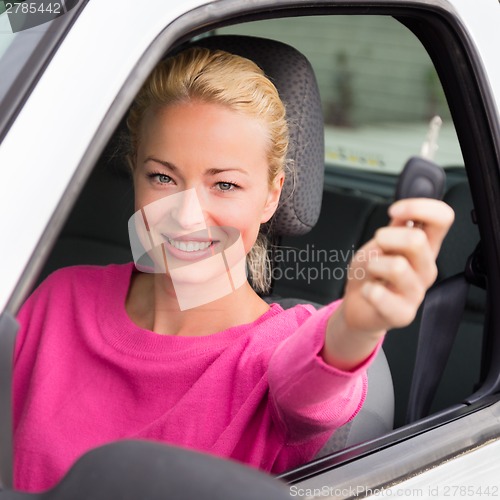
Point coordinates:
[(294, 78)]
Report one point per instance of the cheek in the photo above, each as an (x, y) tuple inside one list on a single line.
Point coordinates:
[(248, 225), (144, 194), (151, 205)]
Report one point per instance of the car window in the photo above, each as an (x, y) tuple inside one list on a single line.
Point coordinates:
[(377, 107), (378, 85), (379, 90)]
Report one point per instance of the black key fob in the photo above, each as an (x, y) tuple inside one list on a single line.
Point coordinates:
[(421, 178)]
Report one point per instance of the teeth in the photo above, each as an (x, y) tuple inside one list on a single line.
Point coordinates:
[(189, 246)]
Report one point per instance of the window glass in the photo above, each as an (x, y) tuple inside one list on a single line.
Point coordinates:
[(378, 85)]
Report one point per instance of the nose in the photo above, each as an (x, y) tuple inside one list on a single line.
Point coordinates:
[(187, 210)]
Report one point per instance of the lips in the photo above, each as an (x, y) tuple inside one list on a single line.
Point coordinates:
[(189, 245), (185, 249)]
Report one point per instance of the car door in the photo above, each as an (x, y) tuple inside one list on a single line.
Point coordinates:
[(384, 70)]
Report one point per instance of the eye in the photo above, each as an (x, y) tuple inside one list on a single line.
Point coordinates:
[(161, 178), (227, 186)]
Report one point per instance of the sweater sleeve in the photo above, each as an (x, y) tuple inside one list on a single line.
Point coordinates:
[(308, 395)]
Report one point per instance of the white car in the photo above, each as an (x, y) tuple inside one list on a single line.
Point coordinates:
[(70, 69)]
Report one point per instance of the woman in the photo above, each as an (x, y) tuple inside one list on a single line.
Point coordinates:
[(186, 352)]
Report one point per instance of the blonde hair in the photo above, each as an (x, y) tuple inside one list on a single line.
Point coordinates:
[(215, 76)]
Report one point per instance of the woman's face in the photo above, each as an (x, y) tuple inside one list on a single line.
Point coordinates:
[(201, 180)]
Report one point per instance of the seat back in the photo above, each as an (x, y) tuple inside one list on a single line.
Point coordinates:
[(293, 76)]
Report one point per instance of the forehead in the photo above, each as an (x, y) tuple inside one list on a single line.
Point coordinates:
[(202, 123), (158, 112), (201, 137)]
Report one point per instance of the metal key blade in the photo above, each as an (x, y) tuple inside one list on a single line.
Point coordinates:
[(430, 145)]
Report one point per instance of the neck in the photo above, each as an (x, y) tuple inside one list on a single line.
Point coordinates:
[(153, 303)]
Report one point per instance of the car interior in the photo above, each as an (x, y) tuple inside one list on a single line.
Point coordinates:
[(87, 237), (354, 125)]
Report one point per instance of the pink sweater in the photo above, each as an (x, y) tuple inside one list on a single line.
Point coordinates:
[(85, 375)]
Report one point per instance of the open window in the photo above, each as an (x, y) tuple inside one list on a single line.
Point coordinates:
[(379, 90)]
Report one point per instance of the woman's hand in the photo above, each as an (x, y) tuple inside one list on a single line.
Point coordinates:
[(387, 280)]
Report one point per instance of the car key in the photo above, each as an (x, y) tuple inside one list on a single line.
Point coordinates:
[(421, 177)]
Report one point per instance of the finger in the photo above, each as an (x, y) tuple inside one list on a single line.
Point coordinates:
[(413, 245), (395, 273), (357, 271), (394, 310), (435, 216), (369, 251)]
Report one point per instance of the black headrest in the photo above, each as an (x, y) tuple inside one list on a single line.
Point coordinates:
[(294, 78)]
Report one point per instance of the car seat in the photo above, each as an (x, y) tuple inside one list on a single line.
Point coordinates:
[(96, 230)]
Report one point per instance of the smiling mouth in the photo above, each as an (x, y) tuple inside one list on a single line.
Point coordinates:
[(190, 246)]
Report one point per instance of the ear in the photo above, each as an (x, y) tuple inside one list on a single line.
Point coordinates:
[(273, 197)]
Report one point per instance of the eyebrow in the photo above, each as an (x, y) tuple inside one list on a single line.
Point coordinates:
[(166, 164), (215, 171), (209, 172)]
